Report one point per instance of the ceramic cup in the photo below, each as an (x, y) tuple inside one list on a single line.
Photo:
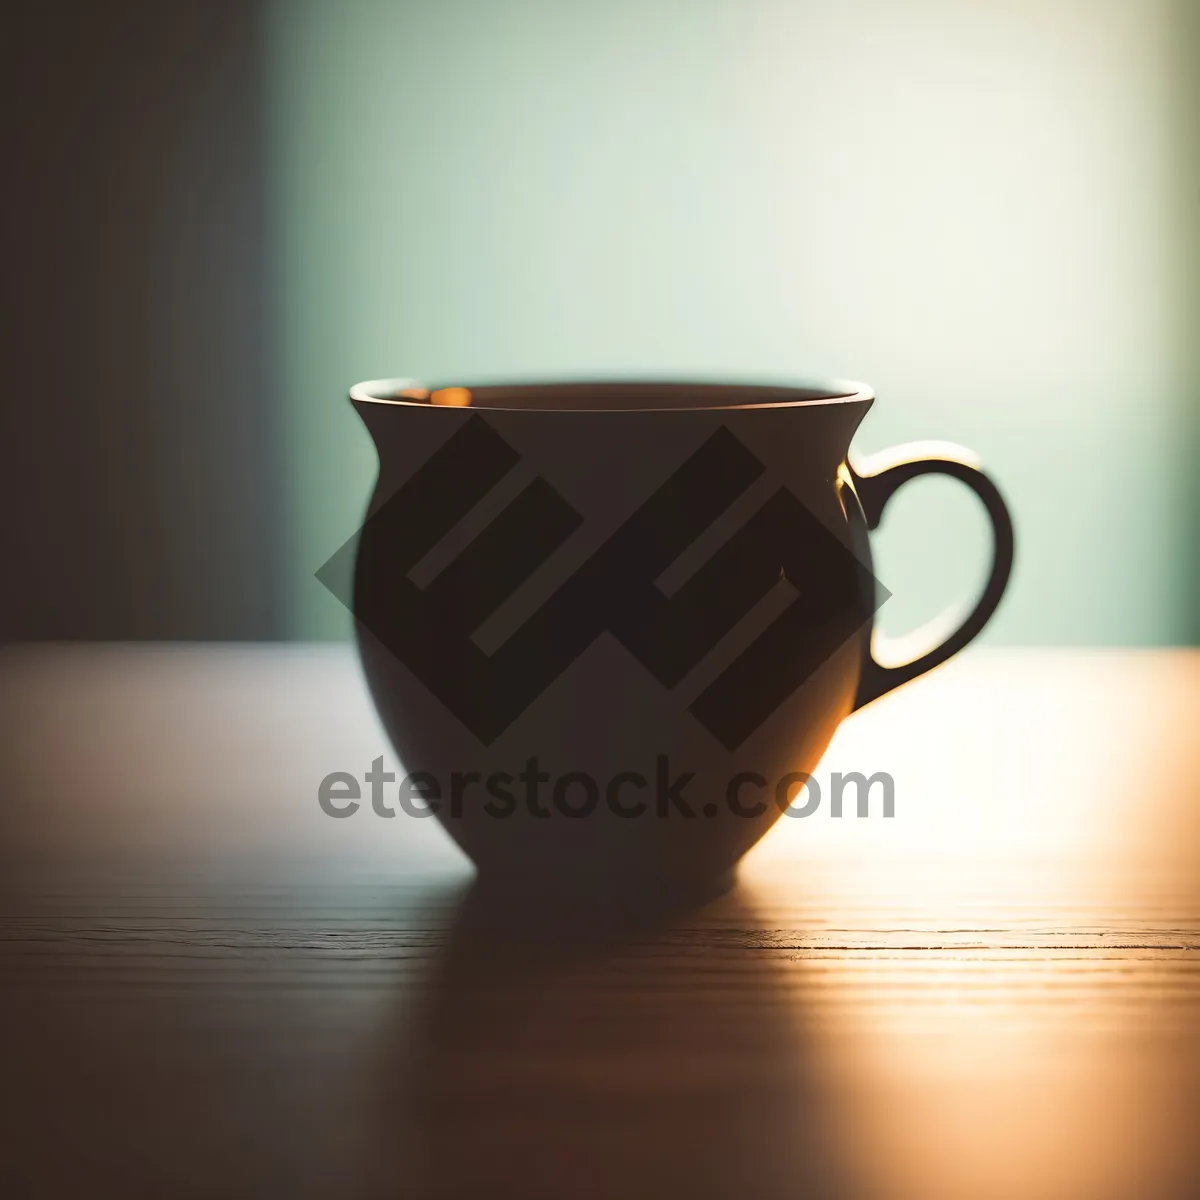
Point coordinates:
[(611, 628)]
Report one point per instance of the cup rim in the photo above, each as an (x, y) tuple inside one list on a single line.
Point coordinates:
[(410, 393)]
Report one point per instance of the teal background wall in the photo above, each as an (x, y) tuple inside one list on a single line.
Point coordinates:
[(985, 210)]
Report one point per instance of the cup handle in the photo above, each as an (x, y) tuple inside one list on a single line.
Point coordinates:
[(875, 479)]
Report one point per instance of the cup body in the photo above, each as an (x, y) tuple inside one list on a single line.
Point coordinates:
[(610, 632)]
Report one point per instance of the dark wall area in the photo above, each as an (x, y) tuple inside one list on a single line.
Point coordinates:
[(139, 481)]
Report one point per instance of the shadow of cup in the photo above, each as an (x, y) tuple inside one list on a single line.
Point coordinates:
[(566, 1051)]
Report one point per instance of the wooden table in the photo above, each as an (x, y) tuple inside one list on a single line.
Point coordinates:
[(209, 988)]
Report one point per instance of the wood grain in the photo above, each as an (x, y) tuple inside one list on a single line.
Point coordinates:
[(207, 988)]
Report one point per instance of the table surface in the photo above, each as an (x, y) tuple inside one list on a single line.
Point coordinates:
[(209, 988)]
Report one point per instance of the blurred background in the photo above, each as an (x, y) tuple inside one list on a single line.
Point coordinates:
[(220, 215)]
